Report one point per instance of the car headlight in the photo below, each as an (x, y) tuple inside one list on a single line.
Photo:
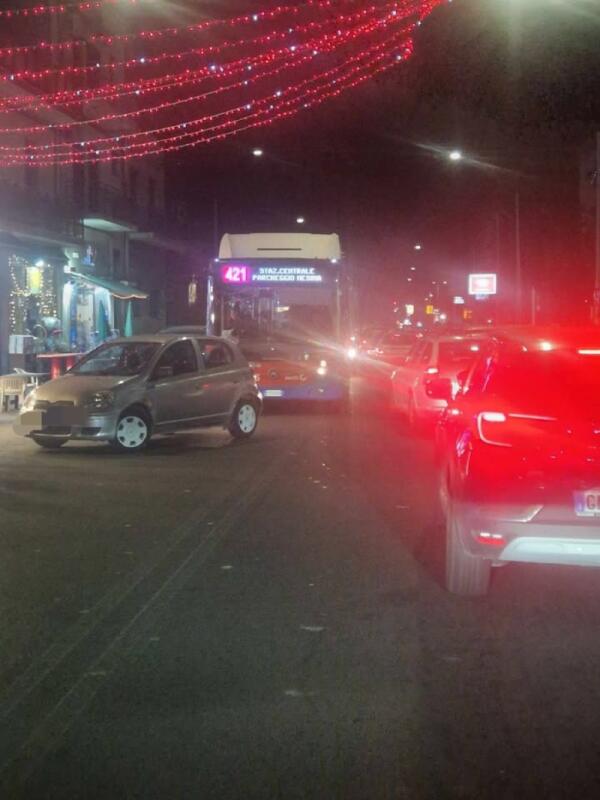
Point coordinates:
[(100, 401), (29, 402)]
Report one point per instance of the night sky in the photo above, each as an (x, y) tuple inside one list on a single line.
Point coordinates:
[(513, 83)]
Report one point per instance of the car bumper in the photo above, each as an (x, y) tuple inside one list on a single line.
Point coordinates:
[(534, 534), (69, 424), (318, 392)]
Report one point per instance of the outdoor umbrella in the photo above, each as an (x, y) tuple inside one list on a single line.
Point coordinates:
[(103, 328), (129, 321)]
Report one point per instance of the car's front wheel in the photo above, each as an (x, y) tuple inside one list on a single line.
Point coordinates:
[(133, 431), (466, 574), (244, 419)]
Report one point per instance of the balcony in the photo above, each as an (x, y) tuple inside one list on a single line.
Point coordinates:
[(109, 209)]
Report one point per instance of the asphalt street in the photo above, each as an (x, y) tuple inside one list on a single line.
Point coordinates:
[(265, 619)]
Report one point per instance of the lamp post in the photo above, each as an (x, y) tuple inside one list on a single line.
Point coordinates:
[(596, 304), (457, 156)]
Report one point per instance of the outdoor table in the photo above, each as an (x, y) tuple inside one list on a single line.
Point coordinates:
[(58, 363)]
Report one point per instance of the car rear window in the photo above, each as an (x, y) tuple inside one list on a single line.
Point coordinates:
[(561, 378), (458, 352)]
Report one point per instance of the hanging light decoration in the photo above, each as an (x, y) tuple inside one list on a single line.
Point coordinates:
[(179, 96)]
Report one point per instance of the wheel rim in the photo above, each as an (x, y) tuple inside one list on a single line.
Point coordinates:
[(247, 418), (132, 432)]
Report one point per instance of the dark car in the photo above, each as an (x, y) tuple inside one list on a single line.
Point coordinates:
[(519, 450)]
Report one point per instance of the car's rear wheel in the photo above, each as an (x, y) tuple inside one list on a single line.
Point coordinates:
[(49, 442), (244, 419), (133, 431), (466, 574)]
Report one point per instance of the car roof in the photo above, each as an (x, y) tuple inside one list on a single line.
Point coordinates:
[(163, 338), (549, 337)]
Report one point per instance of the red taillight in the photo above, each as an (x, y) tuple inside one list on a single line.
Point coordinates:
[(491, 539)]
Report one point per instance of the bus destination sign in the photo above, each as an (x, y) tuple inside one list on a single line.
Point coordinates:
[(244, 274)]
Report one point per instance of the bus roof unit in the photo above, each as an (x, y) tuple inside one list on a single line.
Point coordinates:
[(322, 246)]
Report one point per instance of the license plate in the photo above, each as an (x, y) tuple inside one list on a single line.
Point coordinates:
[(587, 503), (273, 393)]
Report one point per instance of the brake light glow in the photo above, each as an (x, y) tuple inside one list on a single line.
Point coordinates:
[(546, 346), (589, 352), (493, 539)]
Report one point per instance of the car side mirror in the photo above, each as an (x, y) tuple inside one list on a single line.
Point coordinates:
[(162, 372), (439, 389)]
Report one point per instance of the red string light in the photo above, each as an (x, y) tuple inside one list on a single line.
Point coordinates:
[(63, 8), (268, 104), (162, 33), (352, 68), (292, 108), (300, 56), (145, 61)]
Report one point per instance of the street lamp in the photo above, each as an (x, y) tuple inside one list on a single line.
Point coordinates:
[(300, 220), (418, 247), (455, 155), (257, 152)]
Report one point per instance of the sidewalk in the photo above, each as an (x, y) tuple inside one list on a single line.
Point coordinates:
[(8, 418)]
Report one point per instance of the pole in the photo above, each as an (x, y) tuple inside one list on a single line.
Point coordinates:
[(215, 228), (596, 304), (518, 276)]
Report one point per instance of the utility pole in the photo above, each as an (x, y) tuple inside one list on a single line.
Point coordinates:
[(518, 275), (596, 304)]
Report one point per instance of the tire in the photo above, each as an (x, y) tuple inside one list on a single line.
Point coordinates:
[(244, 419), (134, 430), (48, 442), (466, 575)]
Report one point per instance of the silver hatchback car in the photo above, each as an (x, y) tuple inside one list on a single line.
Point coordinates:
[(126, 390)]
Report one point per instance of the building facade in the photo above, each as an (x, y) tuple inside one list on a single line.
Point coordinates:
[(84, 253)]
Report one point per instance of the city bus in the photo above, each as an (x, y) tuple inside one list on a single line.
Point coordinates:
[(284, 298)]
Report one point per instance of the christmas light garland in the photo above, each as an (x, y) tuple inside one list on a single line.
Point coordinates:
[(363, 42), (63, 8), (144, 61), (302, 54), (388, 50), (164, 33)]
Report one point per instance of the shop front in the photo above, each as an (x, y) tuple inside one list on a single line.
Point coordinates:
[(49, 314)]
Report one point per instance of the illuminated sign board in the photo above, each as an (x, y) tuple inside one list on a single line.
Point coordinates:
[(245, 274), (483, 284)]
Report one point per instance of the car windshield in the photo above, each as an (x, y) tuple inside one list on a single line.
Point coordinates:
[(122, 359)]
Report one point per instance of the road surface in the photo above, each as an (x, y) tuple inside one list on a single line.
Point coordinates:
[(265, 619)]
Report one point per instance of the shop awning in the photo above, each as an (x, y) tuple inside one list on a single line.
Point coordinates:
[(119, 290)]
